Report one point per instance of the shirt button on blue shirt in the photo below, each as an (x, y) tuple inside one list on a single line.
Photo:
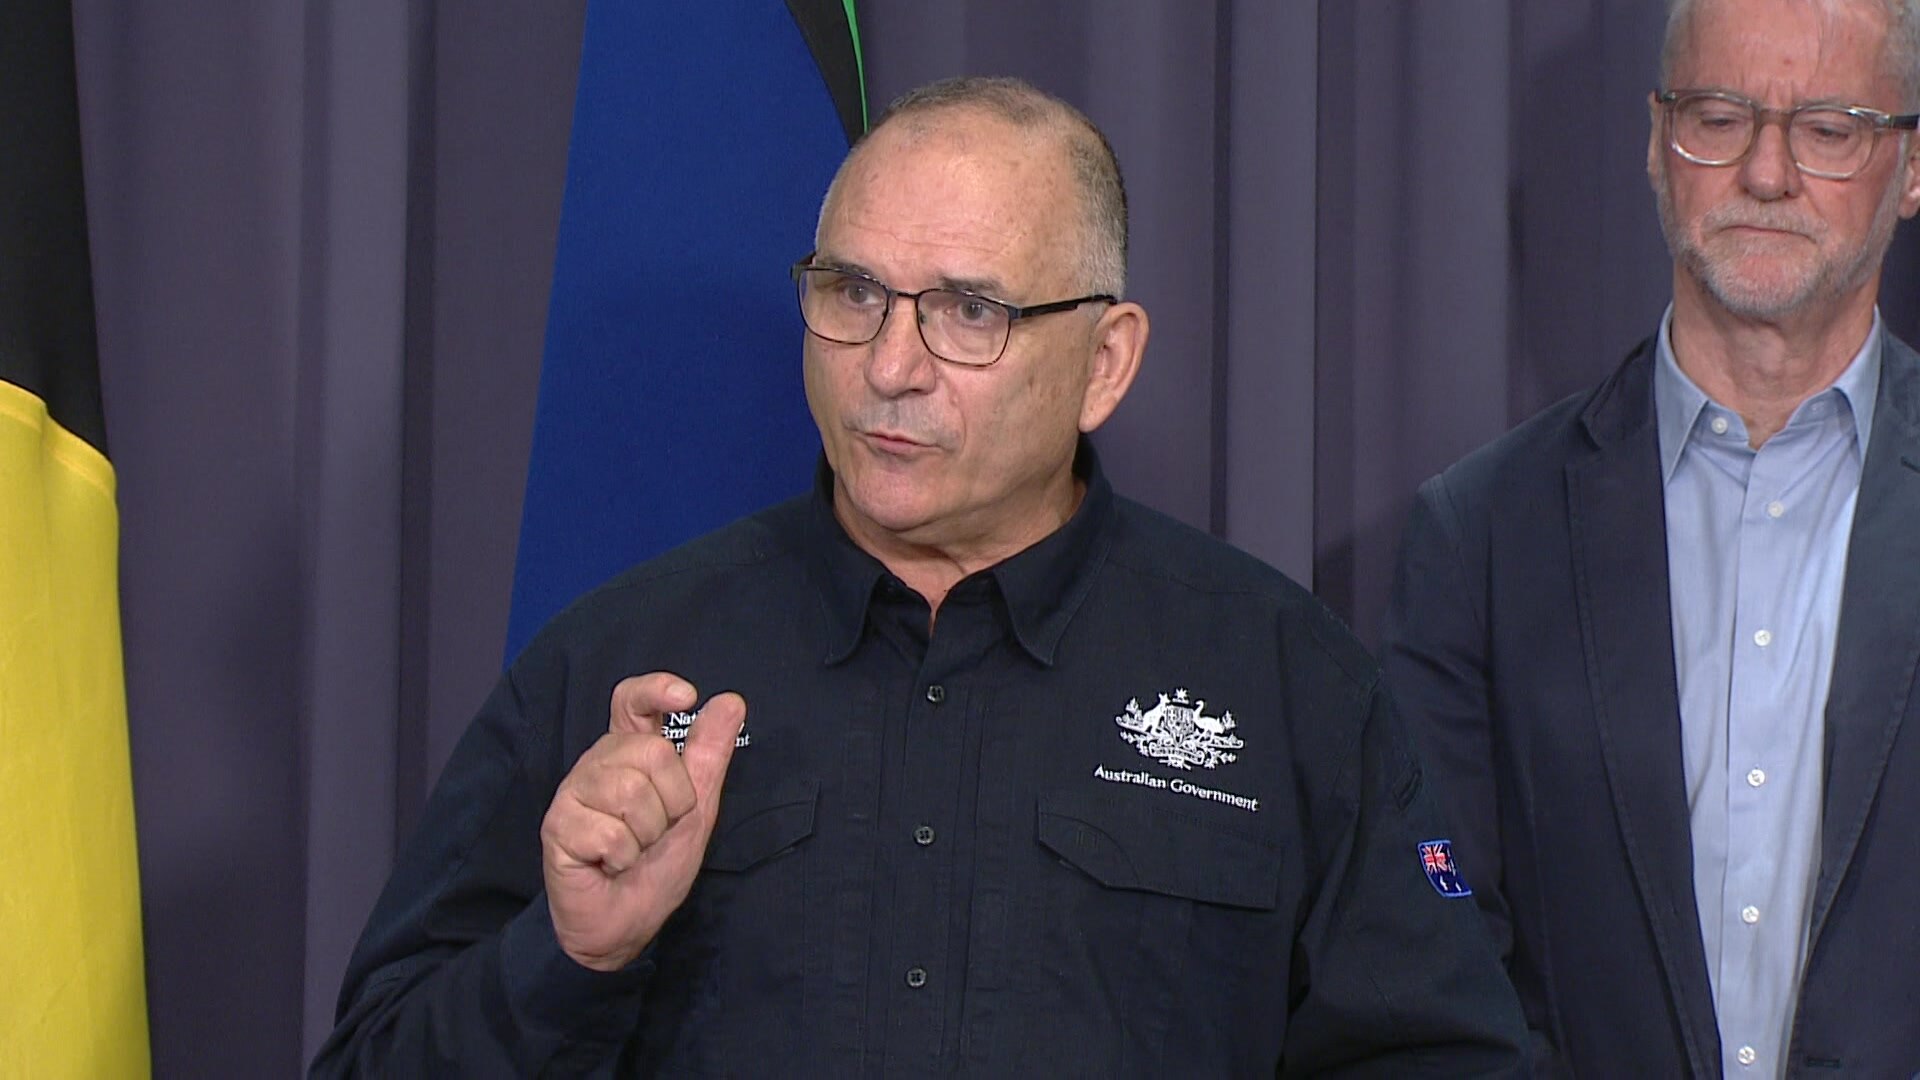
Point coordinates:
[(916, 977), (936, 693), (1757, 543), (923, 835)]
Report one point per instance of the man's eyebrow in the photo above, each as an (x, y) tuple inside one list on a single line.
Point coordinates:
[(986, 286), (990, 287), (828, 262), (1828, 101), (1831, 102)]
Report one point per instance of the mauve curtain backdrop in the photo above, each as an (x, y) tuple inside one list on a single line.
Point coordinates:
[(1371, 234)]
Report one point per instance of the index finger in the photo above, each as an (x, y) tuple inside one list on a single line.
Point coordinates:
[(641, 702)]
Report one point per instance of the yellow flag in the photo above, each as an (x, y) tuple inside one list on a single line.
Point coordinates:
[(72, 994), (72, 984)]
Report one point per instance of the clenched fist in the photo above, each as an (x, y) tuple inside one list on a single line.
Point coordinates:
[(627, 830)]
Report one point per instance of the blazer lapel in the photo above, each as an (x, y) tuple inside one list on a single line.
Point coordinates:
[(1618, 520), (1878, 643)]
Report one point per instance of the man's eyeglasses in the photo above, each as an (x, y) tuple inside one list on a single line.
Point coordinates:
[(957, 326), (1712, 127)]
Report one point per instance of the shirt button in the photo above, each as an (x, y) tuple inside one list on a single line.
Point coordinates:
[(1749, 914), (936, 693), (1747, 1056), (916, 977), (1776, 508), (1763, 638), (1719, 425), (1756, 777), (923, 835)]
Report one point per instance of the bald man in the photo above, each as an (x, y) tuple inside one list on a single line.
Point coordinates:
[(996, 772)]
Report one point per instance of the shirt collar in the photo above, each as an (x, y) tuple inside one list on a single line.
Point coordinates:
[(1045, 584), (1860, 383), (1677, 401), (1042, 586)]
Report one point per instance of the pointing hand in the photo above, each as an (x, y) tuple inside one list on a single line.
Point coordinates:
[(627, 830)]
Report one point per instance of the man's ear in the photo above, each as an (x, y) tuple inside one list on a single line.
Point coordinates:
[(1656, 145), (1120, 341), (1910, 177)]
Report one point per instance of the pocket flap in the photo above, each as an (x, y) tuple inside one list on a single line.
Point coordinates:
[(756, 825), (1129, 845)]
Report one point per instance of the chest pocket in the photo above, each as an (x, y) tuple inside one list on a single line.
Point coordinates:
[(1128, 844), (1156, 929), (739, 936), (758, 824)]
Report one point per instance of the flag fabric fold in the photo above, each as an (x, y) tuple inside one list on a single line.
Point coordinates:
[(72, 987)]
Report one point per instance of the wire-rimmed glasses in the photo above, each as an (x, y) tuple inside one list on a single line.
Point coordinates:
[(956, 325)]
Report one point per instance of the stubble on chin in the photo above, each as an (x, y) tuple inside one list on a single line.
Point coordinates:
[(1774, 288), (1793, 271)]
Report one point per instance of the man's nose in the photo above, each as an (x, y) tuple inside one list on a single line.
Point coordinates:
[(899, 362), (1769, 173)]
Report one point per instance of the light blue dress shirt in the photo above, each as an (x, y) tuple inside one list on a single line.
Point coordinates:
[(1756, 554)]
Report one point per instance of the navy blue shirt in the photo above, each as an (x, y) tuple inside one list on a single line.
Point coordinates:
[(1136, 805)]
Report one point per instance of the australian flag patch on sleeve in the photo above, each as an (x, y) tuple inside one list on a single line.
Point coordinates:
[(1436, 858)]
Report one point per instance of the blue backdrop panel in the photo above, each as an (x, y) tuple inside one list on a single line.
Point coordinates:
[(670, 394)]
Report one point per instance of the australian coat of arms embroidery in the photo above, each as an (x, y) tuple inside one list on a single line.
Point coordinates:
[(1178, 732)]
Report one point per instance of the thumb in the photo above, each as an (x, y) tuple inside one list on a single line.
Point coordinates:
[(640, 702), (710, 739)]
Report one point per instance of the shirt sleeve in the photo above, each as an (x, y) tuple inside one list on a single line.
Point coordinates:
[(1433, 655), (1398, 976), (458, 972), (1434, 659)]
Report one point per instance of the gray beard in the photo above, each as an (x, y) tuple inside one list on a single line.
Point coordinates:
[(1831, 278)]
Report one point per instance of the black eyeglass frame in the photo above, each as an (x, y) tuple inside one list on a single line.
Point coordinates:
[(1015, 312), (1880, 122)]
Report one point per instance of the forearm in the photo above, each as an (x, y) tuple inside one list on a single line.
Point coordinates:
[(512, 1003)]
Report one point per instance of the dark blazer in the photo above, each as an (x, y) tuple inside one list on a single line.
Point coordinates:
[(1530, 645)]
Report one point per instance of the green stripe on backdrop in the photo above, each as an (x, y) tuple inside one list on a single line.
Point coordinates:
[(833, 39), (859, 65)]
